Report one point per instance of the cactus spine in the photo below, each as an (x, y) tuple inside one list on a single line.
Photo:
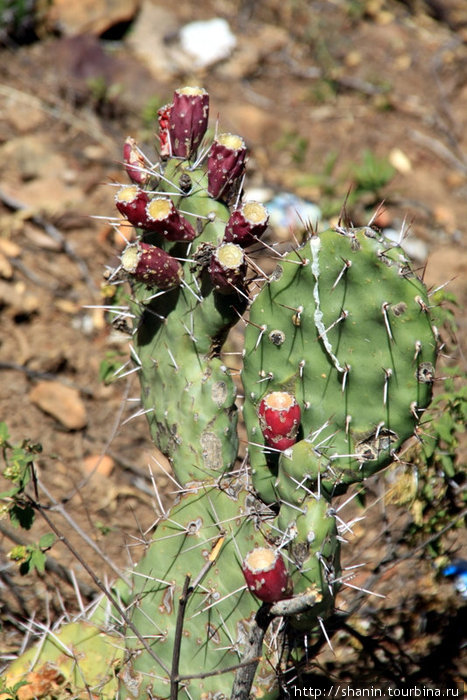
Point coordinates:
[(338, 367)]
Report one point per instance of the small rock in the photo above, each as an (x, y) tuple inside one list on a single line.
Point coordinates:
[(6, 268), (207, 41), (32, 156), (18, 299), (400, 161), (99, 464), (62, 402), (255, 124), (24, 120), (9, 248), (91, 16), (148, 41), (251, 51)]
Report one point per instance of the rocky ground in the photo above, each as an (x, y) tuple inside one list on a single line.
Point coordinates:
[(364, 93)]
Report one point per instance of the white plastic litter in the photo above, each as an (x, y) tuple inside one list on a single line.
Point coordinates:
[(207, 41), (287, 212), (414, 247)]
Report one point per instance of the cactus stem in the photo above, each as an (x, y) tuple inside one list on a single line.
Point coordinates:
[(172, 184), (301, 485)]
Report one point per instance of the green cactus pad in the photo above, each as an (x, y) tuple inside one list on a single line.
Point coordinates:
[(80, 659), (215, 522), (345, 327)]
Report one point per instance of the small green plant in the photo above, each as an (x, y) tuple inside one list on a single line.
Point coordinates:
[(295, 144), (111, 366), (11, 692), (17, 460), (17, 505), (372, 174), (32, 556)]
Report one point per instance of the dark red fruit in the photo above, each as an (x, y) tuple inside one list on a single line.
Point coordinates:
[(265, 574), (247, 224), (149, 264), (227, 268), (188, 120), (226, 163), (131, 201), (163, 117), (162, 217), (135, 165), (279, 417)]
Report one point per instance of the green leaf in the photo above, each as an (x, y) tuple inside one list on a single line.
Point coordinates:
[(21, 515), (4, 434), (46, 541), (37, 560)]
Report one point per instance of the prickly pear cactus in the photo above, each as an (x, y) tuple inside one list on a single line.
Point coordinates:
[(338, 368)]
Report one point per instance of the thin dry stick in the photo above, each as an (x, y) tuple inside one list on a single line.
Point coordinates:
[(60, 509), (174, 680), (283, 608)]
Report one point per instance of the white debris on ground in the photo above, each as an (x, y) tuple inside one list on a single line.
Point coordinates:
[(208, 42)]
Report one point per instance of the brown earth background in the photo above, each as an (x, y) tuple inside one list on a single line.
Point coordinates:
[(311, 86)]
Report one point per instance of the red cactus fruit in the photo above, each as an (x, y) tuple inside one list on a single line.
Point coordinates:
[(188, 120), (163, 117), (279, 417), (227, 268), (226, 163), (265, 574), (247, 224), (149, 264), (135, 165), (131, 201), (162, 217)]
